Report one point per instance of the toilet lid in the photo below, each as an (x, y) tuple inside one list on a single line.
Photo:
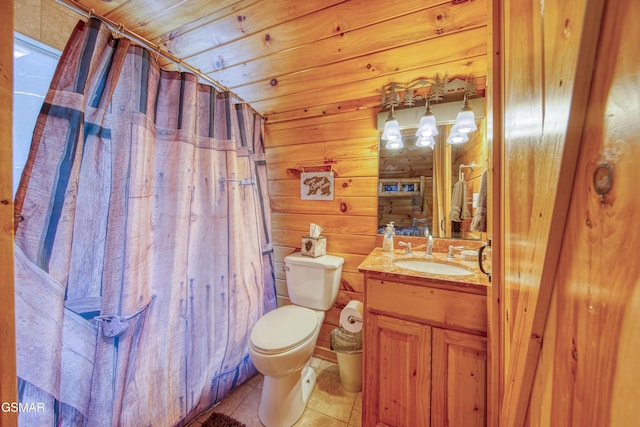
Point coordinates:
[(283, 328)]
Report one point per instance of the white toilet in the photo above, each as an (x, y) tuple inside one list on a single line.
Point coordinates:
[(282, 341)]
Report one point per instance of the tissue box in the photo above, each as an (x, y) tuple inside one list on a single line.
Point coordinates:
[(314, 246)]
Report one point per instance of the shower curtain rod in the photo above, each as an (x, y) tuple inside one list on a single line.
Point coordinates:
[(120, 29)]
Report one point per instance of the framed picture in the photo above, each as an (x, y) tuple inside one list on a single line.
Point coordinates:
[(317, 185)]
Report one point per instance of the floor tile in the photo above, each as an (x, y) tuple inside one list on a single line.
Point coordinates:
[(311, 418), (329, 405), (234, 399), (247, 412), (356, 414), (329, 397), (256, 381)]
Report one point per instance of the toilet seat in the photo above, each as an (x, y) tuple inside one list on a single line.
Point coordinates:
[(283, 328)]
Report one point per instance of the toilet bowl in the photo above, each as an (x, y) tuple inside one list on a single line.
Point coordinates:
[(281, 345), (282, 342)]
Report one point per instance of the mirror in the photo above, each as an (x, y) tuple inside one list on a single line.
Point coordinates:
[(416, 184)]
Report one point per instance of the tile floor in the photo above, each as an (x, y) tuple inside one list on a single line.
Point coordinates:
[(329, 405)]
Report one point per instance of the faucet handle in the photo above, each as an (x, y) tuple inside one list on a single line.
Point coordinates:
[(408, 247), (450, 254)]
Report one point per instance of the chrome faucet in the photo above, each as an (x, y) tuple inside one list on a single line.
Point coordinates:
[(450, 254), (407, 246), (429, 253)]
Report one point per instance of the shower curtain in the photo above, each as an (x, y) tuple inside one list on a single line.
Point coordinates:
[(143, 258)]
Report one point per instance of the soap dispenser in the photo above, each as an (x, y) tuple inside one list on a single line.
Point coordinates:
[(387, 241)]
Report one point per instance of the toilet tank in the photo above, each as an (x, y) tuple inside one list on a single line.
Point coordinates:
[(313, 282)]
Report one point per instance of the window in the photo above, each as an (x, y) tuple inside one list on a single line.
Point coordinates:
[(33, 66)]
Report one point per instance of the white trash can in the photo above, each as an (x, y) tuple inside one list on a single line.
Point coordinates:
[(348, 348), (350, 369)]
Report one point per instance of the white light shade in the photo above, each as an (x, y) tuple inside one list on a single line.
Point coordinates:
[(425, 141), (466, 121), (457, 137), (391, 132), (427, 126), (394, 144)]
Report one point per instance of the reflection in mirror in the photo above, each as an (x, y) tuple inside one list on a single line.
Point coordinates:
[(434, 190)]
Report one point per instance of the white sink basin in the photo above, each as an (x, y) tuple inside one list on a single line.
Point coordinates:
[(432, 267)]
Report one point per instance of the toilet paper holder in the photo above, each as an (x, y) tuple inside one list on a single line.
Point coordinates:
[(353, 319)]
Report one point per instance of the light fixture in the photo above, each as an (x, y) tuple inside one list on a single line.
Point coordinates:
[(429, 91), (427, 127), (426, 141), (465, 121), (457, 137), (391, 132)]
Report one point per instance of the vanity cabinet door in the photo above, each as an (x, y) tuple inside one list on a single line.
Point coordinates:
[(397, 372), (459, 365)]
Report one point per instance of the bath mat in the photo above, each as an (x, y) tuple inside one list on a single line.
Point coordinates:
[(221, 420)]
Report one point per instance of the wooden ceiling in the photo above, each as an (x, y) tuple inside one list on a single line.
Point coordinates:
[(296, 58)]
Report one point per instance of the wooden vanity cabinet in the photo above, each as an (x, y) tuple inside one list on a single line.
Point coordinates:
[(425, 353)]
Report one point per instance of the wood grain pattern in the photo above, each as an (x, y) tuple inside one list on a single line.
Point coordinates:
[(334, 224), (327, 131), (288, 33), (539, 162), (494, 97), (449, 375), (343, 187), (441, 307), (8, 376), (396, 349), (233, 21), (380, 65), (365, 88), (353, 167), (313, 49), (45, 20), (458, 392), (307, 56), (594, 333)]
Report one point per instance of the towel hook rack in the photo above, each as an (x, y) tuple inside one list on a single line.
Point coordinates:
[(469, 166)]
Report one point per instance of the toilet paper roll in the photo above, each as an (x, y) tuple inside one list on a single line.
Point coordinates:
[(351, 316)]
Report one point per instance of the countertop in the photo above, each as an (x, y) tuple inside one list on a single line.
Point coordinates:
[(381, 264)]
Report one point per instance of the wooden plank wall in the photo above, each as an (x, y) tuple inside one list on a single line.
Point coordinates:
[(337, 126), (46, 21), (546, 88), (8, 377), (348, 142), (587, 374)]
